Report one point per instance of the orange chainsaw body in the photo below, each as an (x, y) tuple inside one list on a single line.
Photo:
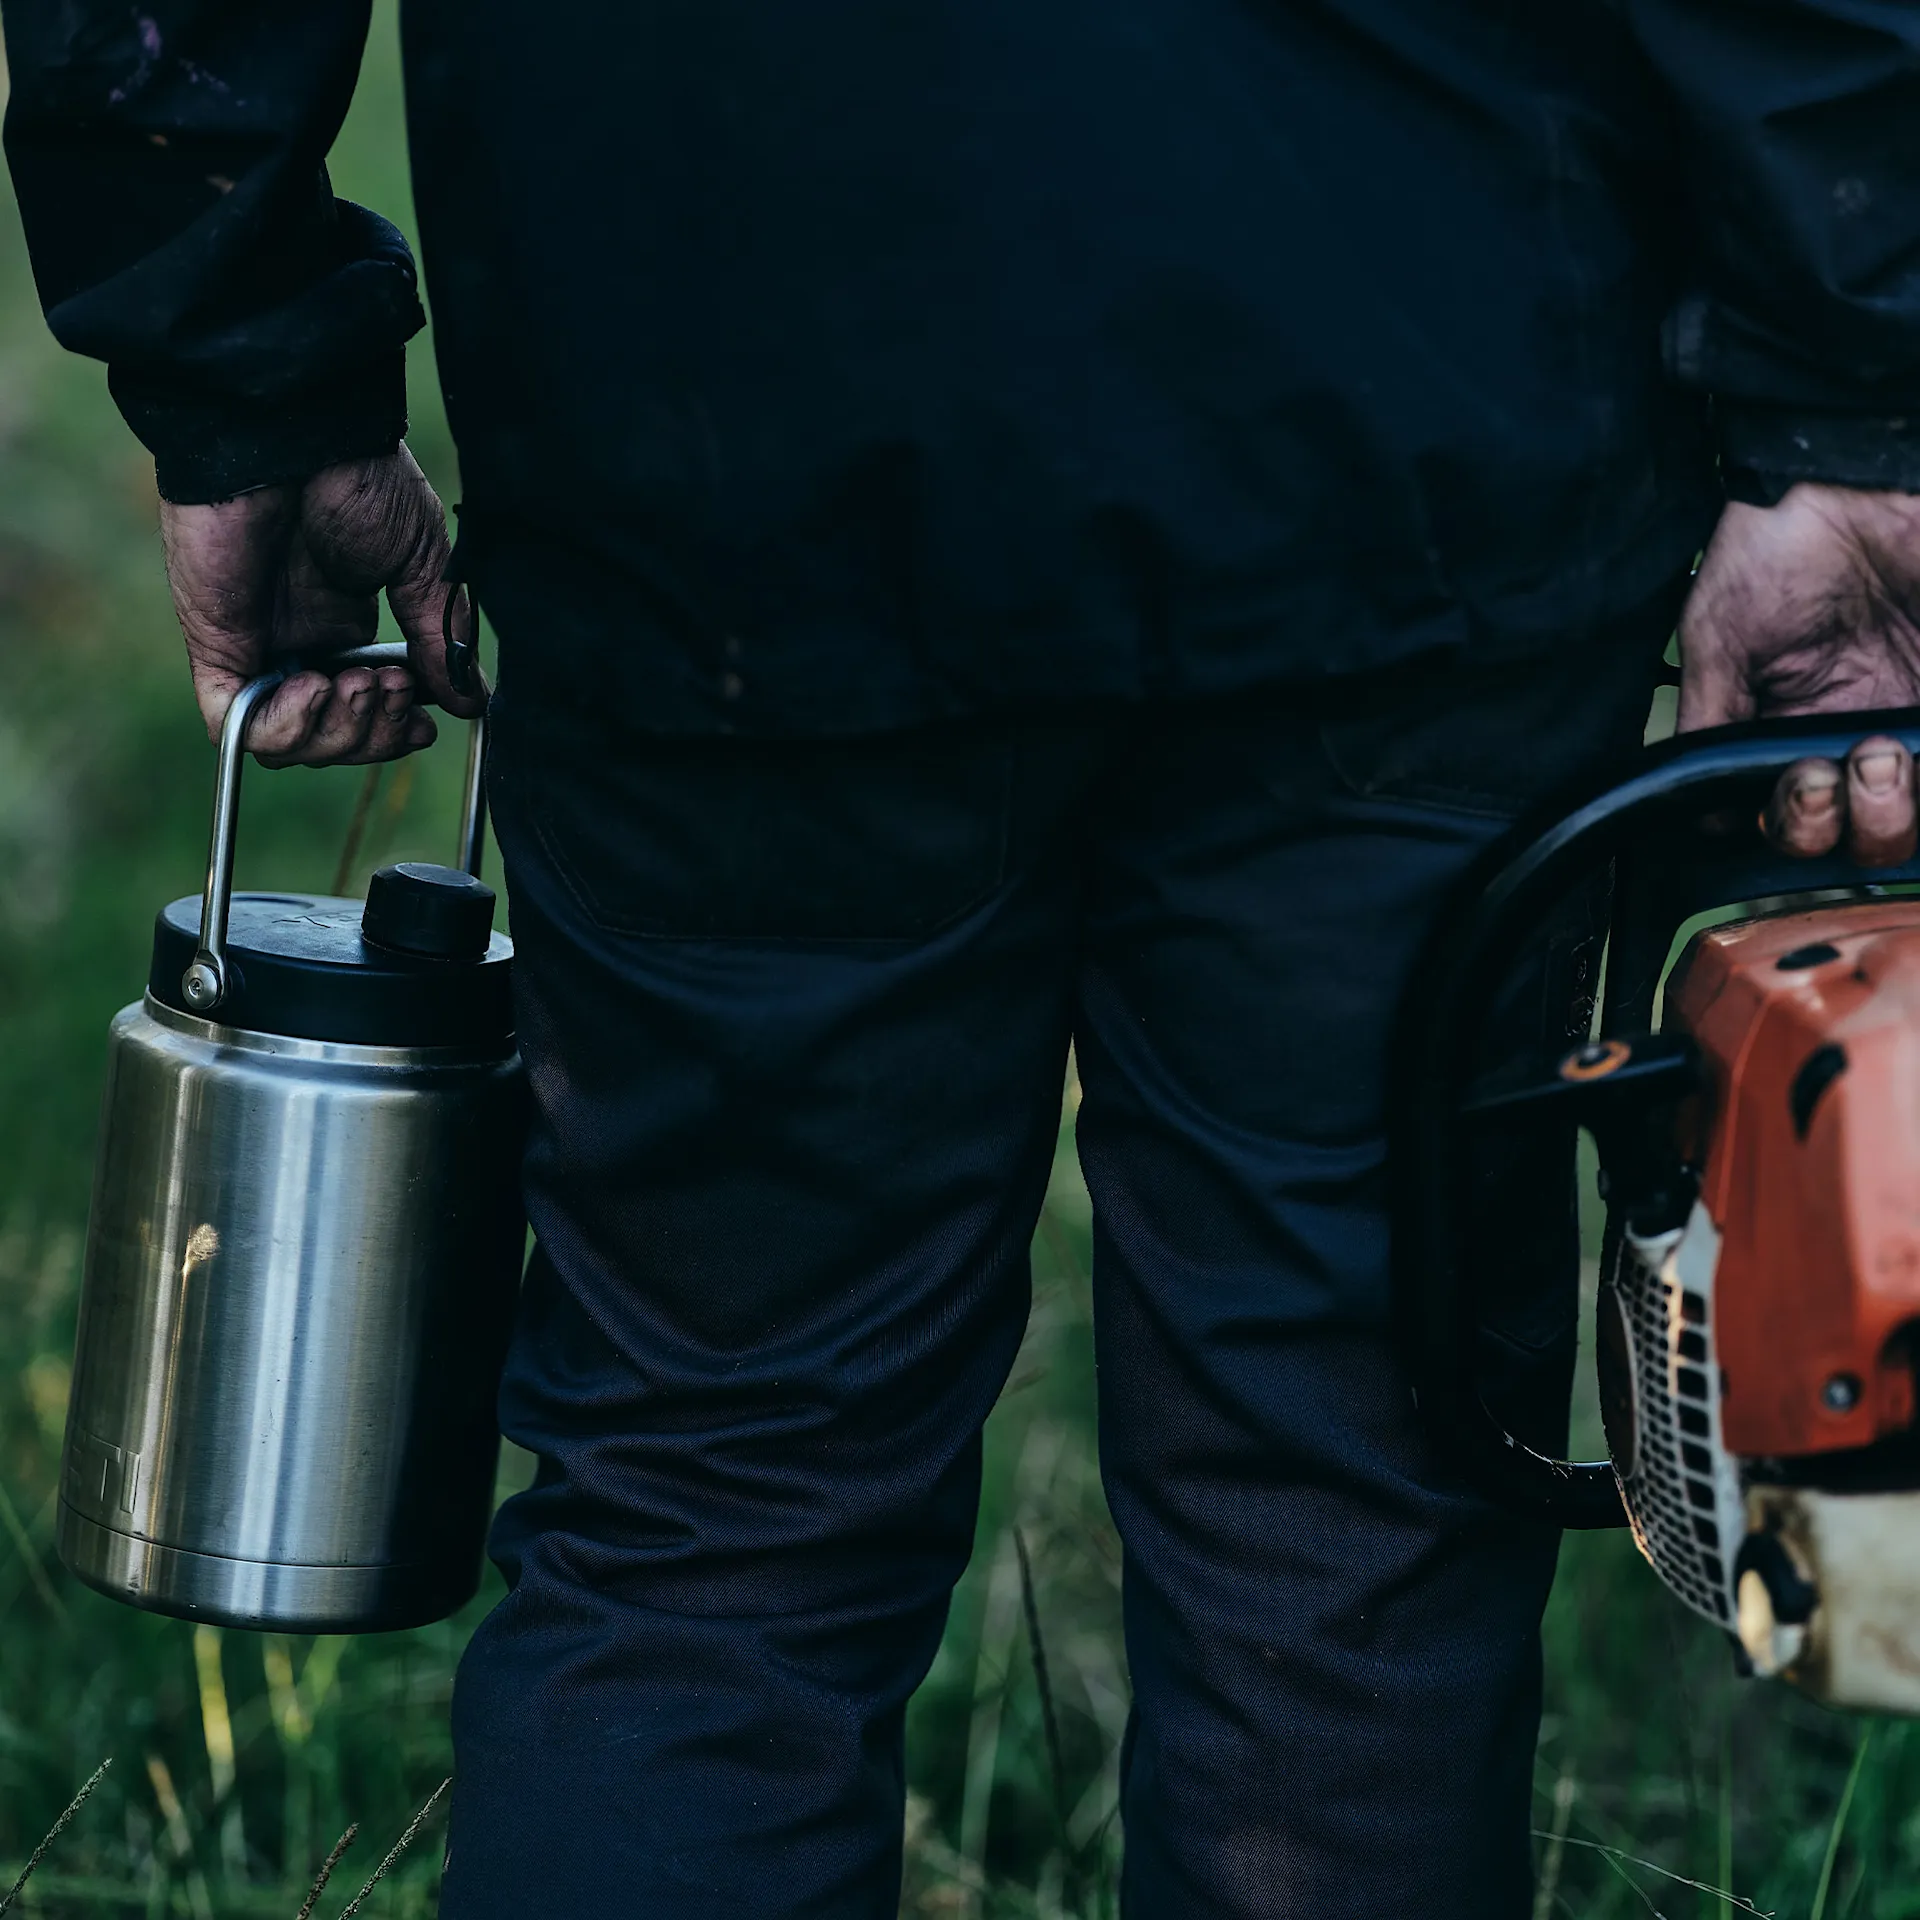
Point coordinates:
[(1808, 1026)]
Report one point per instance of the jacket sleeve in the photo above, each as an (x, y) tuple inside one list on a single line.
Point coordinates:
[(169, 158), (1801, 123)]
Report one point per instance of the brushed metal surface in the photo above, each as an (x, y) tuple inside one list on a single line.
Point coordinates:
[(254, 1593), (301, 1269)]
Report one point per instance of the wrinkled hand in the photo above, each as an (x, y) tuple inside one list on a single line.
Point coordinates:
[(1813, 606), (294, 569)]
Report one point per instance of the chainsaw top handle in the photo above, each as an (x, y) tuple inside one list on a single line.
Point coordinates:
[(1649, 821)]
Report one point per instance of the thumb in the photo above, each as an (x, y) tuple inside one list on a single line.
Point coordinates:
[(223, 560), (1714, 692), (1716, 681), (427, 607)]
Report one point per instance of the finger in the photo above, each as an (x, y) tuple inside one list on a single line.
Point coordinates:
[(390, 732), (341, 730), (396, 690), (417, 731), (1808, 809), (1880, 808), (284, 721), (337, 723), (390, 727)]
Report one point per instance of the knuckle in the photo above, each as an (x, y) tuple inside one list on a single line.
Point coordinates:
[(1812, 772)]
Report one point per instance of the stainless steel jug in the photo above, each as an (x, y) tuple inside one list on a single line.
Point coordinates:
[(304, 1249)]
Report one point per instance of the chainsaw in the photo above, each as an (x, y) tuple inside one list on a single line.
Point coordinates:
[(1755, 1108)]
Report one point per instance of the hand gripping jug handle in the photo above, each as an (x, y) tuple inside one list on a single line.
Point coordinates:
[(1666, 871), (204, 984), (304, 1251)]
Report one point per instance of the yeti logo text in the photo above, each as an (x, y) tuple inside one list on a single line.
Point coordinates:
[(99, 1474)]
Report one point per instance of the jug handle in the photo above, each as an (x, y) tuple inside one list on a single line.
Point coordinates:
[(204, 984)]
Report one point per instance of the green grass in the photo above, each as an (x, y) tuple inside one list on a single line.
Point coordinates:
[(238, 1760)]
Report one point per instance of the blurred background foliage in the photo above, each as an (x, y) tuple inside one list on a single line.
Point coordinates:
[(239, 1759)]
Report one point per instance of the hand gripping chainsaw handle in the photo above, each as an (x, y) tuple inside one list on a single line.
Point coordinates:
[(1667, 867)]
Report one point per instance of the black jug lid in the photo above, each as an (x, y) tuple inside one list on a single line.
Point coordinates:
[(304, 965), (437, 913)]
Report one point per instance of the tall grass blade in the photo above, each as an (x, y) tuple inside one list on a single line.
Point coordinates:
[(178, 1837), (319, 1675), (1548, 1890), (400, 1846), (1617, 1857), (356, 828), (59, 1827), (326, 1871), (1726, 1794), (36, 1567), (290, 1718), (399, 788), (1839, 1827), (1037, 1646), (216, 1727), (1049, 1720), (1632, 1885), (991, 1651)]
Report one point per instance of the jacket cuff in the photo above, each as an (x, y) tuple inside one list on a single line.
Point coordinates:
[(211, 446), (1765, 450)]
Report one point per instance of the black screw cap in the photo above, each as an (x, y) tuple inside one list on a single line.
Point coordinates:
[(438, 913)]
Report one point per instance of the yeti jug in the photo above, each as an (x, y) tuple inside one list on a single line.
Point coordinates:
[(304, 1248)]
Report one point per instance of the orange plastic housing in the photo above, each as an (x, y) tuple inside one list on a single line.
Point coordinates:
[(1812, 1171)]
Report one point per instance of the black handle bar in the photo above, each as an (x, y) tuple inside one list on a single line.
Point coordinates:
[(1649, 820)]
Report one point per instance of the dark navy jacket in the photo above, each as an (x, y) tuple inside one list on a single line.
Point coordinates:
[(832, 364)]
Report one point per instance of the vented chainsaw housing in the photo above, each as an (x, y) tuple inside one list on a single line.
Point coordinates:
[(1759, 1146), (1660, 1396), (1757, 1364)]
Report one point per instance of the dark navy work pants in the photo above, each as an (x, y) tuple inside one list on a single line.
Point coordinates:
[(795, 1016)]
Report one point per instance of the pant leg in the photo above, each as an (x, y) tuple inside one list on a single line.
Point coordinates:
[(1334, 1653), (795, 1019)]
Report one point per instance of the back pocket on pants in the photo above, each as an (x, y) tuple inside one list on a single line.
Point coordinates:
[(873, 837)]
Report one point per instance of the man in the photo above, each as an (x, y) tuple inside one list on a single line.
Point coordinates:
[(1010, 522)]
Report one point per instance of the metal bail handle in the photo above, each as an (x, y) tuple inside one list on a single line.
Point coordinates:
[(204, 984)]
